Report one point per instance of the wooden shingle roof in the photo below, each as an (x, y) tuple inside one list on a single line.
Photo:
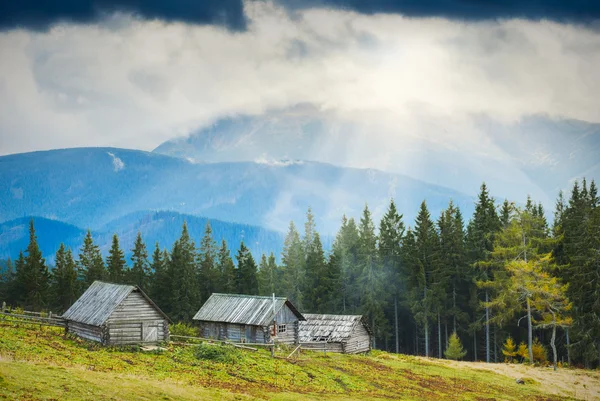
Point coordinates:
[(330, 328), (243, 309), (99, 301)]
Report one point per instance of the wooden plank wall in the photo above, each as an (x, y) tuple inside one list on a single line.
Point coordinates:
[(331, 347), (291, 333), (232, 332), (93, 333), (359, 341), (126, 322)]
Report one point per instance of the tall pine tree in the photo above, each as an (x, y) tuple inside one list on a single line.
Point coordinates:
[(91, 265), (292, 266), (32, 276), (317, 284), (185, 294), (267, 275), (391, 234), (115, 262), (246, 277), (160, 284), (423, 260), (227, 271), (140, 270), (65, 287), (481, 232), (208, 274), (372, 281)]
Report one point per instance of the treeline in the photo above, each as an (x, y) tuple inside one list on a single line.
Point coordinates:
[(505, 275)]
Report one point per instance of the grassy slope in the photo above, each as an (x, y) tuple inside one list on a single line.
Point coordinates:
[(39, 364)]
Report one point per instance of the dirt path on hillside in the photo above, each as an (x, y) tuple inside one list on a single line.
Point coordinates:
[(577, 383)]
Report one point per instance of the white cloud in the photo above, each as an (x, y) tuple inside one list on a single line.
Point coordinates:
[(139, 83)]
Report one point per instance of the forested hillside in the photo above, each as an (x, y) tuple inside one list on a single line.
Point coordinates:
[(509, 285), (163, 227)]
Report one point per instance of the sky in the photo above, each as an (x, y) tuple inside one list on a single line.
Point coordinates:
[(134, 74)]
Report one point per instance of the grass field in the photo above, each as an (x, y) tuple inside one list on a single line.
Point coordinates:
[(40, 364)]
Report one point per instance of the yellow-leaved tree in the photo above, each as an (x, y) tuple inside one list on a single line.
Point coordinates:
[(509, 349), (524, 282)]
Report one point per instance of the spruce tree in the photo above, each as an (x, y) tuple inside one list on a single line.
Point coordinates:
[(455, 349), (317, 285), (208, 274), (344, 255), (65, 287), (423, 259), (481, 232), (373, 282), (505, 213), (267, 275), (309, 232), (391, 233), (247, 282), (115, 262), (577, 242), (160, 284), (91, 265), (453, 276), (140, 270), (185, 295), (292, 267), (227, 271), (32, 276)]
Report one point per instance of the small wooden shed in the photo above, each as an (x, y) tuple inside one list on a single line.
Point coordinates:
[(249, 319), (348, 334), (115, 314)]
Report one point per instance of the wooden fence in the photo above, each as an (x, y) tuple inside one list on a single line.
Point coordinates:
[(252, 346), (28, 317)]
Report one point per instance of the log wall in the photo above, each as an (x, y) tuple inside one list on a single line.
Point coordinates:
[(133, 319), (93, 333), (359, 341)]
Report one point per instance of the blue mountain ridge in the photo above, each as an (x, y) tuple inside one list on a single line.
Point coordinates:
[(164, 227), (91, 187)]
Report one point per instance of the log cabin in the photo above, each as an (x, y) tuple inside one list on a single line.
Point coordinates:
[(249, 319), (348, 334), (115, 314)]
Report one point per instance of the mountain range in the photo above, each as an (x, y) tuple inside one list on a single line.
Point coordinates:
[(116, 190), (252, 175), (535, 156)]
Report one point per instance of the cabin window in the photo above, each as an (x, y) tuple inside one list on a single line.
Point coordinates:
[(281, 328)]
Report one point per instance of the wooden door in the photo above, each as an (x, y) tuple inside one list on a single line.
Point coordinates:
[(149, 332)]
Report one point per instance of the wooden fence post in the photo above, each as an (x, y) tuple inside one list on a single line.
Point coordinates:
[(3, 306)]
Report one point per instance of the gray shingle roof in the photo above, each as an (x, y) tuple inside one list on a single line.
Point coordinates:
[(99, 301), (242, 309), (334, 328)]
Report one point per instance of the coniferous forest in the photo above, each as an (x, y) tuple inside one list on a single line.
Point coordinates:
[(505, 284)]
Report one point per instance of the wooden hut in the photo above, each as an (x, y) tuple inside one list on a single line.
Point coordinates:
[(249, 319), (115, 314), (348, 334)]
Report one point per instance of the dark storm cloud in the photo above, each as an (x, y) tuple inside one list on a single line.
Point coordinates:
[(579, 11), (41, 14)]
